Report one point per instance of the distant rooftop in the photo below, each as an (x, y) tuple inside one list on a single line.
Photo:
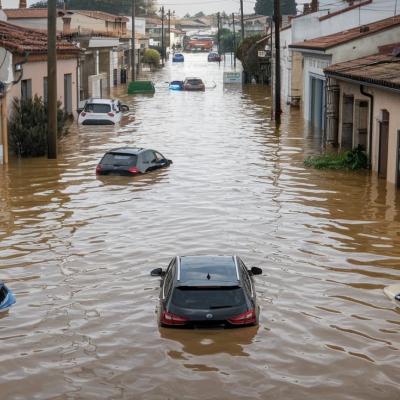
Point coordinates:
[(327, 42), (20, 13)]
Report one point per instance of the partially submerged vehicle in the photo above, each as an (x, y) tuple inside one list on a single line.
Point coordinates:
[(194, 84), (7, 298), (204, 291), (176, 85), (178, 57), (131, 161), (102, 112), (213, 56)]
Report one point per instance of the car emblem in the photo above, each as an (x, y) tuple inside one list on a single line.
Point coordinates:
[(209, 316)]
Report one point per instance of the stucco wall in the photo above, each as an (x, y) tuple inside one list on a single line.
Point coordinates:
[(36, 71), (383, 100)]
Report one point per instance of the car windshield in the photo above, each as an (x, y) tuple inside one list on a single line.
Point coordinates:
[(116, 159), (195, 81), (97, 108), (208, 298)]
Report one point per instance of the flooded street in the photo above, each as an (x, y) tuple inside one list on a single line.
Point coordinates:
[(77, 251)]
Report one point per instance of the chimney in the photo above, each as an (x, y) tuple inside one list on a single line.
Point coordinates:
[(314, 5), (66, 25), (22, 3)]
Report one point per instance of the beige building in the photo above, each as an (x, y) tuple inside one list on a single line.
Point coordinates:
[(23, 73), (363, 109)]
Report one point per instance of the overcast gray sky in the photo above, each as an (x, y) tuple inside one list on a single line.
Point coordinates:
[(182, 7)]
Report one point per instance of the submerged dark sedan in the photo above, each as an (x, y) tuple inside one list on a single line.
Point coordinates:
[(131, 161), (202, 291)]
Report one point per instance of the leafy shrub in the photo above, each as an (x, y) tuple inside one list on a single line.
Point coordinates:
[(151, 56), (351, 159), (27, 126)]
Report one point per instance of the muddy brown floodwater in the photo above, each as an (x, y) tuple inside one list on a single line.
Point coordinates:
[(77, 251)]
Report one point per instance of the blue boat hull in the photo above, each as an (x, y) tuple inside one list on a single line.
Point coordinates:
[(7, 298)]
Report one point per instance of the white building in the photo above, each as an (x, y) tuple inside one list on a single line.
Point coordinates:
[(347, 45), (332, 17)]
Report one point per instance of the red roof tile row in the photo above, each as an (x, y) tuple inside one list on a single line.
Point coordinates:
[(379, 69), (20, 41)]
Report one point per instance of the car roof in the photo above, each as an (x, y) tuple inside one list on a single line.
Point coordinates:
[(212, 270), (128, 150), (100, 101)]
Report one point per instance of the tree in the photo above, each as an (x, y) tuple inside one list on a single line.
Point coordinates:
[(200, 14), (117, 7), (266, 7)]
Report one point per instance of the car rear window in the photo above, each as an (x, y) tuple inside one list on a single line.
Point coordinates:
[(119, 159), (97, 108), (208, 298), (195, 81)]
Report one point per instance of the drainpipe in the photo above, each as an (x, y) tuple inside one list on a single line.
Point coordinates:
[(371, 119)]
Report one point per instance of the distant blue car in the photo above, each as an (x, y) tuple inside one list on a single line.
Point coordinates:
[(7, 298), (176, 85), (178, 57)]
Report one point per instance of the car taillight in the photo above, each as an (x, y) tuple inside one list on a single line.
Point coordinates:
[(133, 170), (248, 317), (98, 169), (168, 318), (83, 113), (111, 114)]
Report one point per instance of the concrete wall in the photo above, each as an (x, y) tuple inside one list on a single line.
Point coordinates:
[(383, 100), (35, 23), (36, 71)]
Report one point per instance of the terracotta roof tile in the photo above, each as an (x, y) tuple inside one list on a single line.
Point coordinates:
[(326, 42), (20, 40), (379, 69), (17, 13), (100, 15)]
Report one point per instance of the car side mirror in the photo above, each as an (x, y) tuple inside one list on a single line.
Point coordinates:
[(124, 107), (255, 271), (157, 272)]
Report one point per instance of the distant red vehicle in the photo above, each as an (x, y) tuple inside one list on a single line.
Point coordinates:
[(199, 44)]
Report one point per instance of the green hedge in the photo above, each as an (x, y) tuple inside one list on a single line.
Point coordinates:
[(27, 126)]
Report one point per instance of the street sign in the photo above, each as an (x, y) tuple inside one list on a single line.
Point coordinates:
[(233, 77)]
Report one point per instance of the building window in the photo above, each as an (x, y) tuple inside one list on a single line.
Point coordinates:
[(26, 89)]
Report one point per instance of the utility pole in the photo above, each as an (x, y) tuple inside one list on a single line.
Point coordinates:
[(277, 20), (241, 19), (162, 36), (52, 80), (169, 28), (218, 33), (234, 40), (133, 51)]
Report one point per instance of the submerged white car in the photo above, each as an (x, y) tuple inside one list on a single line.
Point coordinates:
[(102, 112)]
